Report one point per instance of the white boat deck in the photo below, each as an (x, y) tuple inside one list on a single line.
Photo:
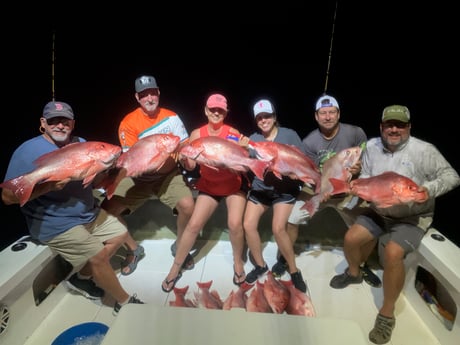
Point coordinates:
[(355, 305)]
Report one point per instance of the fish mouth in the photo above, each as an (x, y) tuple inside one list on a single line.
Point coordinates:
[(111, 160)]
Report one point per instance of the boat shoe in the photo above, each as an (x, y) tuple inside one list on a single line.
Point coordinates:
[(383, 327), (341, 281)]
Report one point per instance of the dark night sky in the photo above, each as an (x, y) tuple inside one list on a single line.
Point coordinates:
[(382, 54)]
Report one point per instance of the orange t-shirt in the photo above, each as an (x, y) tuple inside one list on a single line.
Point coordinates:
[(137, 125)]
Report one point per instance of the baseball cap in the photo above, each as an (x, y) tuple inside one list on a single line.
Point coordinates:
[(326, 101), (263, 106), (217, 101), (57, 109), (145, 82), (397, 113)]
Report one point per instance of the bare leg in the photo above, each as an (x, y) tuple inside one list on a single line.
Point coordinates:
[(204, 208), (251, 221), (393, 277), (236, 204)]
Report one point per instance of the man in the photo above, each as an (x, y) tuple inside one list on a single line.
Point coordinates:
[(167, 183), (400, 228), (322, 143), (66, 216)]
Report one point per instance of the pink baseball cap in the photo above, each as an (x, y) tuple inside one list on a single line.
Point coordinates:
[(217, 101)]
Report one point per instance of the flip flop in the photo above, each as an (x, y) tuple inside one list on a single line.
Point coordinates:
[(237, 277), (137, 254), (172, 281)]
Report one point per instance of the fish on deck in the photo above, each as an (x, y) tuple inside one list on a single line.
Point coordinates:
[(205, 298), (73, 162), (299, 302), (276, 293), (236, 299), (383, 190), (256, 300), (180, 298), (218, 153)]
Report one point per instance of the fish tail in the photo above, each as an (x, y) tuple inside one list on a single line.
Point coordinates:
[(204, 285), (311, 206)]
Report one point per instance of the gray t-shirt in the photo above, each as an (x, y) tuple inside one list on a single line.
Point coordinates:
[(320, 149)]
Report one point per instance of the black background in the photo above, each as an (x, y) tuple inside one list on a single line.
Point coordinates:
[(382, 53)]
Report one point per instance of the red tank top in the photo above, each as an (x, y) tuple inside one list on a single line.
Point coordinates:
[(220, 182)]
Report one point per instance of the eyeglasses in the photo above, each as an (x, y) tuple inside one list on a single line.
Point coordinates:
[(220, 111), (54, 121), (397, 124)]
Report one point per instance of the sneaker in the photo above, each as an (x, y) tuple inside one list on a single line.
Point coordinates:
[(279, 267), (86, 287), (341, 281), (370, 277), (383, 327), (298, 281), (174, 248), (256, 272), (132, 299)]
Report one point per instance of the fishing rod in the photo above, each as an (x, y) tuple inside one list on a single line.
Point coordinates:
[(52, 69), (330, 48)]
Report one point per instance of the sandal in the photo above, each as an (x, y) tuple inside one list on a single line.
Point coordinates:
[(137, 255), (237, 277), (189, 263), (169, 282)]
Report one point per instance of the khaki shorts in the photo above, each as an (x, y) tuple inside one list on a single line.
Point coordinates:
[(82, 242), (133, 193)]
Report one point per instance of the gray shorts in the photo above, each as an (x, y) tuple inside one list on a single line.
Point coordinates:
[(82, 242), (408, 236), (133, 193)]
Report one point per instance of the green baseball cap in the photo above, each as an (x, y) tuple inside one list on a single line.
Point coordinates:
[(397, 113)]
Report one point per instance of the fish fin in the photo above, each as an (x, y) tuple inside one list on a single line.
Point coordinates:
[(259, 167), (113, 183), (339, 186), (88, 179)]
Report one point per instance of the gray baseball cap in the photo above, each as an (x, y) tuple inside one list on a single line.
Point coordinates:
[(57, 109), (145, 82)]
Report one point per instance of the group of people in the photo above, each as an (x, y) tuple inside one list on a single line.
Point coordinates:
[(69, 219)]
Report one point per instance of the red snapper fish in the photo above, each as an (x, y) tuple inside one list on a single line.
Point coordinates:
[(147, 155), (73, 162), (236, 299), (181, 299), (299, 302), (337, 167), (256, 301), (276, 293), (205, 298), (218, 153), (384, 190), (288, 160)]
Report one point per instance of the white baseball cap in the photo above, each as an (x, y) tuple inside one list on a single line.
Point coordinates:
[(326, 101), (263, 106)]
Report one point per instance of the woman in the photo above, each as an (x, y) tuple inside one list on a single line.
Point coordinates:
[(213, 186), (281, 194)]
